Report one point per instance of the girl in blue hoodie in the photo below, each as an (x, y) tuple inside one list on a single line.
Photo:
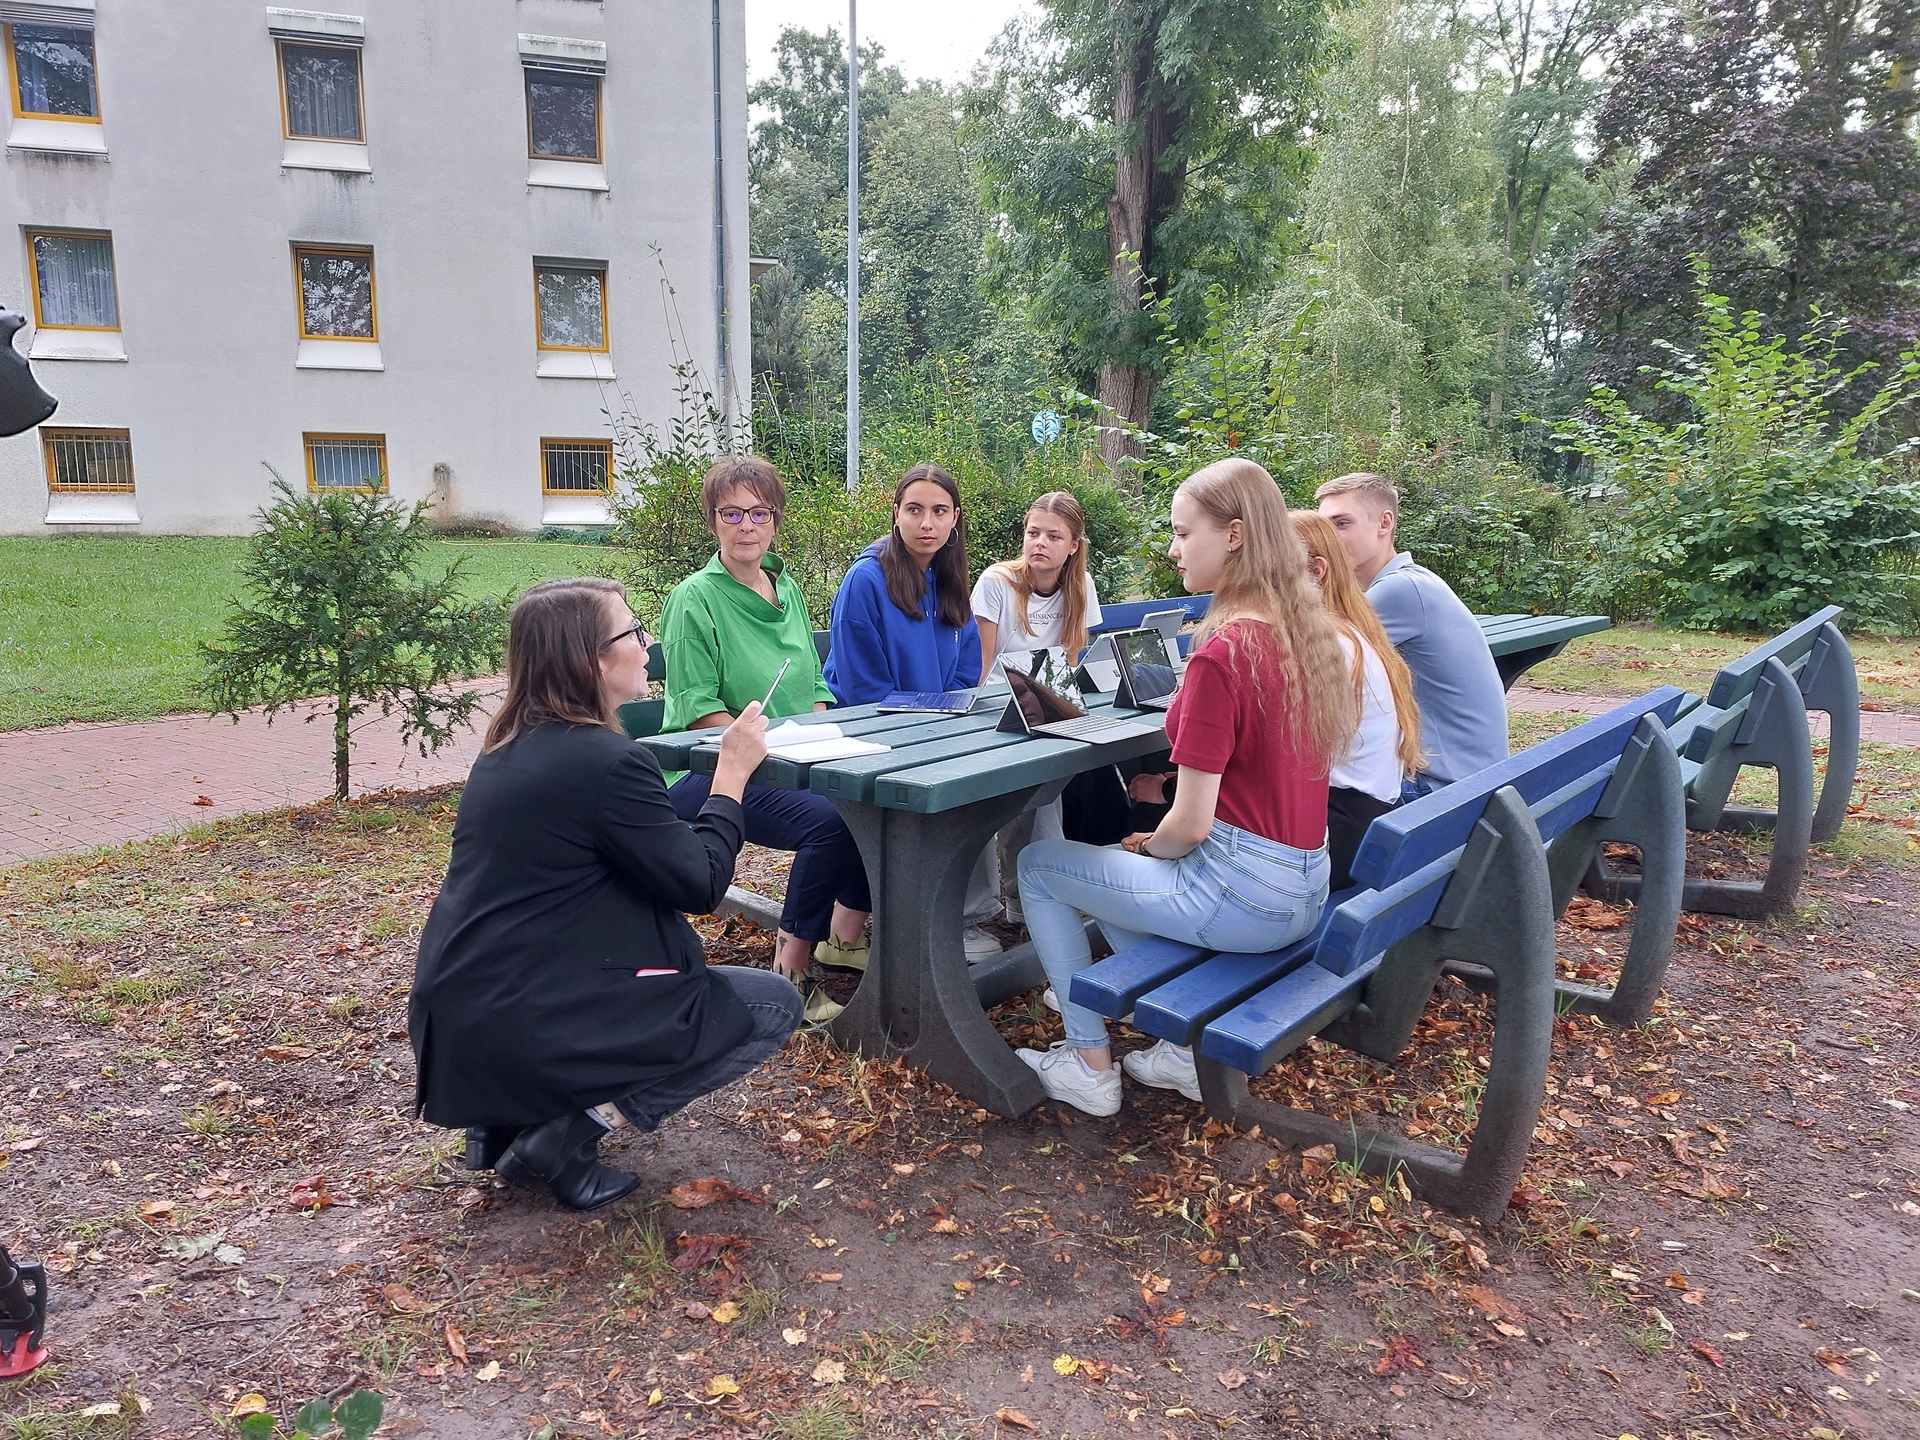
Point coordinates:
[(902, 619)]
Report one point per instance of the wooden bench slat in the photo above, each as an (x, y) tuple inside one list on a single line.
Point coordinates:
[(1790, 647), (1181, 1008), (1112, 985), (1416, 834), (1259, 1031)]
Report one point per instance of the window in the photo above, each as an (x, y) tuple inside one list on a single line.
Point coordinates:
[(563, 115), (336, 293), (570, 299), (320, 92), (73, 284), (346, 462), (51, 72), (88, 462), (576, 467)]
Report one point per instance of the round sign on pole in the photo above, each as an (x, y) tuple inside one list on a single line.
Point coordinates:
[(1046, 427)]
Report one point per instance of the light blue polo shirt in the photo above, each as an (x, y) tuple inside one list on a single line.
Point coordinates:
[(1463, 705)]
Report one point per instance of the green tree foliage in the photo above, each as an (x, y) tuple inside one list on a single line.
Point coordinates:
[(921, 227), (333, 608), (1404, 277), (1757, 506), (1775, 140), (1135, 152), (1543, 60)]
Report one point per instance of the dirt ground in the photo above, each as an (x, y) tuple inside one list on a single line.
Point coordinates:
[(204, 1135)]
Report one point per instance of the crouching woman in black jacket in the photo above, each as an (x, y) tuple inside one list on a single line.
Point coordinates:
[(559, 991)]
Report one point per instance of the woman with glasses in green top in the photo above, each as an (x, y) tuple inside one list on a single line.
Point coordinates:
[(727, 630)]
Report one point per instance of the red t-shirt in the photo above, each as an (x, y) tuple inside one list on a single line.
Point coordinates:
[(1218, 723)]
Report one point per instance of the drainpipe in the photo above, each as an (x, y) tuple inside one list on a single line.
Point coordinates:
[(721, 320)]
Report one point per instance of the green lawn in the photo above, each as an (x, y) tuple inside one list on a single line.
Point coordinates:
[(1632, 659), (102, 628)]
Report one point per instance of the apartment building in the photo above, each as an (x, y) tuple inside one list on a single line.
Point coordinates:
[(424, 245)]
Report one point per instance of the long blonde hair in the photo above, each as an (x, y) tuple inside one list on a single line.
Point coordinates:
[(1073, 575), (1267, 580), (1347, 603)]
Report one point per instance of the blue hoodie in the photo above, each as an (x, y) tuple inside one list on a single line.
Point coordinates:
[(877, 649)]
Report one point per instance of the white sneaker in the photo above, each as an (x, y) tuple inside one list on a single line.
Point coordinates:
[(1165, 1066), (979, 944), (1068, 1078)]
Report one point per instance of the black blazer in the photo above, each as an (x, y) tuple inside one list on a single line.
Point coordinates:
[(570, 872)]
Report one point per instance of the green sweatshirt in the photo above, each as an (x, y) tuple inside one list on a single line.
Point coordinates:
[(724, 644)]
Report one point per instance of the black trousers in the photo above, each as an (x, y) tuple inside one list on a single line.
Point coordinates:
[(1349, 813)]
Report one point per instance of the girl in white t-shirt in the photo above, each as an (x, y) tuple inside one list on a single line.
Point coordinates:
[(1364, 782), (1045, 598)]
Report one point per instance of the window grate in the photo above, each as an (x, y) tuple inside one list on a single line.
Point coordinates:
[(346, 462), (576, 467), (88, 462)]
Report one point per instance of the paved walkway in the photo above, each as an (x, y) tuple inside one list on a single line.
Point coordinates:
[(75, 787)]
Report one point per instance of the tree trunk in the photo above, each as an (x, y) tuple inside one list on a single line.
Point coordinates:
[(1144, 194), (342, 741)]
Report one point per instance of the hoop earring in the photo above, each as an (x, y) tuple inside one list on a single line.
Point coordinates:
[(953, 535)]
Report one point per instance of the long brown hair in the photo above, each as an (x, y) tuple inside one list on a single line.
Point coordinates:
[(1073, 575), (554, 638), (906, 581), (1268, 582), (1347, 603)]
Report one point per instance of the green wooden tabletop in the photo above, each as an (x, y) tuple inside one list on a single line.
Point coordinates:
[(1508, 634), (936, 763)]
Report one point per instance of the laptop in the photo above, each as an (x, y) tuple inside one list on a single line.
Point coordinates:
[(934, 702), (1149, 669), (1048, 702)]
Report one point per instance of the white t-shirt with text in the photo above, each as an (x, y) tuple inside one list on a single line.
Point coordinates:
[(993, 599)]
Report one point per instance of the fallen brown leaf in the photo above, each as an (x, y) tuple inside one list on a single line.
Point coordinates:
[(1013, 1418)]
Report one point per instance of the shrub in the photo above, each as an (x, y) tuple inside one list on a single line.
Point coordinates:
[(929, 413), (1757, 508), (334, 609)]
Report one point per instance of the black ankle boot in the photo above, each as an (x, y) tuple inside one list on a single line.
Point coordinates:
[(487, 1143), (564, 1154)]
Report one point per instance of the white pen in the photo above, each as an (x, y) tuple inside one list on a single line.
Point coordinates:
[(775, 686)]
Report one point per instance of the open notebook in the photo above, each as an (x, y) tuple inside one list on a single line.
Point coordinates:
[(822, 740)]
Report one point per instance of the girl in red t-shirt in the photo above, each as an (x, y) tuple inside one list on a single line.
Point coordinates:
[(1240, 861)]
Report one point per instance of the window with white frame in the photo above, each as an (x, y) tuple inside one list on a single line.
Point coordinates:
[(73, 280), (345, 462), (87, 460), (570, 301), (320, 92), (336, 292), (576, 467), (51, 73)]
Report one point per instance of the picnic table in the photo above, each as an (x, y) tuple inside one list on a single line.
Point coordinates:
[(1520, 642), (921, 814)]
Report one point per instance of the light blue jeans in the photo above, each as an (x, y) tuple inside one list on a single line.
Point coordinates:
[(1235, 891)]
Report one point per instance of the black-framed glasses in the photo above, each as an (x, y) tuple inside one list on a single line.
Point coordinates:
[(637, 630), (759, 515)]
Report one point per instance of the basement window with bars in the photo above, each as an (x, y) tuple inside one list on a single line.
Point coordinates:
[(576, 467), (88, 462), (346, 462)]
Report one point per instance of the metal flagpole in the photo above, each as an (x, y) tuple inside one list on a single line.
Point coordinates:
[(853, 249)]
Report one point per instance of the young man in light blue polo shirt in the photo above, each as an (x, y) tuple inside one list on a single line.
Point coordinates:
[(1463, 705)]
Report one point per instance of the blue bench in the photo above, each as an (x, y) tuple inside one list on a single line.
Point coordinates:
[(1755, 714), (1461, 879)]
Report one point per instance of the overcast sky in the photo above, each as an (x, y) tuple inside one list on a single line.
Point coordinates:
[(928, 41)]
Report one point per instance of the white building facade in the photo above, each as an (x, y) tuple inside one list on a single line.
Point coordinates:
[(425, 243)]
